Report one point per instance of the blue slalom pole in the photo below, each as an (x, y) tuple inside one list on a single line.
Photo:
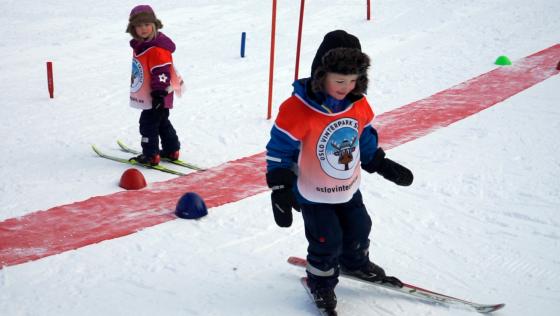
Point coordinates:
[(243, 37)]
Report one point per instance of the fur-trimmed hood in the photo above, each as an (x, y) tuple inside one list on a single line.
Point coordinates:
[(341, 53)]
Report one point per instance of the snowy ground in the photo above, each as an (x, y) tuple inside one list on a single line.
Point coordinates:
[(480, 221)]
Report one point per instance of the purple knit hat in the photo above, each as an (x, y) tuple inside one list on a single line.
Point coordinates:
[(141, 8), (142, 14)]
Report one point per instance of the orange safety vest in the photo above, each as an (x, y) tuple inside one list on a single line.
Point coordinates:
[(142, 66), (329, 158)]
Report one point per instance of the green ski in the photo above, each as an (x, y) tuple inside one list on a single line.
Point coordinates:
[(178, 162), (135, 163)]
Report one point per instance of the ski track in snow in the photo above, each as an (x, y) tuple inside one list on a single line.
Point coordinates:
[(425, 116)]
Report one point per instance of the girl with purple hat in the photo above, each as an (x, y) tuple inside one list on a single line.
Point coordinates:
[(153, 83)]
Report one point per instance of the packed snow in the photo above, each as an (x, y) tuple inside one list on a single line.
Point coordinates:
[(480, 221)]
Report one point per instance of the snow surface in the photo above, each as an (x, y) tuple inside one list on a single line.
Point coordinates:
[(480, 221)]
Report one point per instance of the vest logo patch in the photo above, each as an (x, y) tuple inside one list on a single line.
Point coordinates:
[(338, 148), (137, 77)]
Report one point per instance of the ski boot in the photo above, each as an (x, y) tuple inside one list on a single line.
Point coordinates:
[(146, 160), (174, 155), (372, 273), (325, 299)]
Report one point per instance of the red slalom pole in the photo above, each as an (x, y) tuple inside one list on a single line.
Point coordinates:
[(368, 10), (271, 71), (50, 79), (301, 9)]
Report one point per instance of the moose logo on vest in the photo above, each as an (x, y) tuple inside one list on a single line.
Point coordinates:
[(137, 77), (338, 148)]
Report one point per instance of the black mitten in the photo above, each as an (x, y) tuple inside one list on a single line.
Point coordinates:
[(157, 98), (389, 169), (283, 200)]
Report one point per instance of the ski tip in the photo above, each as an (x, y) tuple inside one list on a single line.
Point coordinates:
[(122, 145), (490, 308), (500, 306), (94, 148), (297, 261)]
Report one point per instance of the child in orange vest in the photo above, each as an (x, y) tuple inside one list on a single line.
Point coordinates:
[(321, 139), (152, 85)]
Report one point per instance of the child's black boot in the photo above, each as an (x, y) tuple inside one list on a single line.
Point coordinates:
[(324, 298), (372, 273)]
